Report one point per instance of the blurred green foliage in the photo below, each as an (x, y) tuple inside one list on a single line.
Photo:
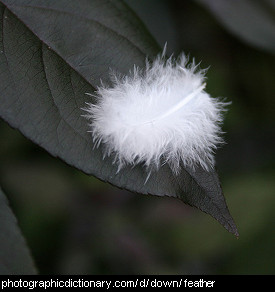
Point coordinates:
[(75, 224)]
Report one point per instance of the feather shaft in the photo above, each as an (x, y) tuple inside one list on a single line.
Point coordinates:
[(178, 106)]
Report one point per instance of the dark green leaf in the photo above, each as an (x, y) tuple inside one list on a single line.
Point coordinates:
[(252, 21), (15, 258), (52, 53)]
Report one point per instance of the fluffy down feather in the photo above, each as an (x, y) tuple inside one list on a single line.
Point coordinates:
[(158, 115)]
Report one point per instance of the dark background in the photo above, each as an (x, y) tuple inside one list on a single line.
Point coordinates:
[(75, 224)]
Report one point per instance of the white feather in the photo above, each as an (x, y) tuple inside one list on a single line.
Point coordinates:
[(158, 115)]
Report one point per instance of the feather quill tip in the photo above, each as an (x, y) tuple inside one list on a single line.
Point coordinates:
[(161, 114)]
